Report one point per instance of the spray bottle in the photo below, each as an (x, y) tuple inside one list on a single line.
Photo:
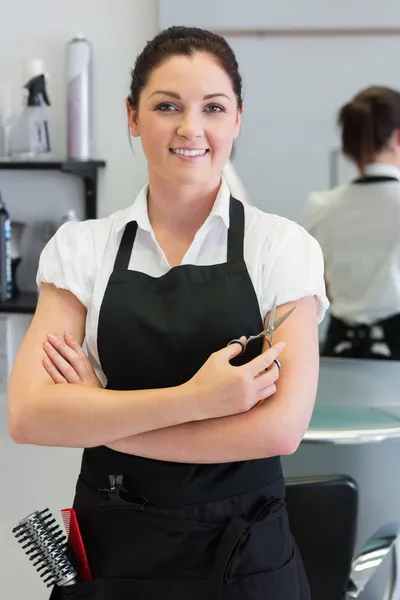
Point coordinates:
[(6, 289), (31, 136)]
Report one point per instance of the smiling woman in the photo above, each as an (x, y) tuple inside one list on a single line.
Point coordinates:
[(181, 431)]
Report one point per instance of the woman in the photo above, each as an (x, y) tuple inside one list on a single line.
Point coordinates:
[(180, 493), (358, 227)]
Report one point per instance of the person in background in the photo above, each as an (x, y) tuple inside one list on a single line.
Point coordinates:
[(358, 228), (181, 493)]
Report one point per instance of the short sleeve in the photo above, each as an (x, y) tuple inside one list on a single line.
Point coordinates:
[(293, 267), (67, 260)]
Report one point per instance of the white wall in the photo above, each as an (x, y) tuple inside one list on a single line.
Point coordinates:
[(33, 478), (227, 14)]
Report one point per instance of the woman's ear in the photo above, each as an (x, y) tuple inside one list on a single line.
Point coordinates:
[(133, 121), (238, 121)]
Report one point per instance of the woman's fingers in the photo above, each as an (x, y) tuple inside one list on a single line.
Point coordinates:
[(74, 358), (264, 360), (74, 344), (266, 392), (53, 372), (266, 378), (64, 367)]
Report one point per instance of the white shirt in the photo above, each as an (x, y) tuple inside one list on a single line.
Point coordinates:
[(281, 257), (358, 228)]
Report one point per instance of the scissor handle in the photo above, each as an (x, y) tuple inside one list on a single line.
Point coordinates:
[(241, 343)]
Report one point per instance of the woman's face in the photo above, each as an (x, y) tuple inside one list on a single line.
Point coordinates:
[(187, 120)]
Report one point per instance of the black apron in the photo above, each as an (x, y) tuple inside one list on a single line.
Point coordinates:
[(156, 530), (379, 340)]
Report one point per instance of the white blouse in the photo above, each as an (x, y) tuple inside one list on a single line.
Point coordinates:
[(281, 257), (358, 227)]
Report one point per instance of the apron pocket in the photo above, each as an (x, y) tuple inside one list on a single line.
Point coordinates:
[(142, 546), (87, 590), (280, 583), (156, 589)]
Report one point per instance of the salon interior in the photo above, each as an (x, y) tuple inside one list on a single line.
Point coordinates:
[(300, 63)]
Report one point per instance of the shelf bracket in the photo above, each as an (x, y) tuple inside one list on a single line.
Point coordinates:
[(88, 172)]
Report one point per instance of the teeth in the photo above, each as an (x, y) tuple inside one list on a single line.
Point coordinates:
[(189, 152)]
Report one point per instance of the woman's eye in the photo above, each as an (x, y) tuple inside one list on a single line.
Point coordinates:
[(215, 108), (166, 107)]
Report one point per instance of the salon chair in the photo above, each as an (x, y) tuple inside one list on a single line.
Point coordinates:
[(323, 519)]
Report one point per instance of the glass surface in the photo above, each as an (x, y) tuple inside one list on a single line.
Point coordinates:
[(345, 419)]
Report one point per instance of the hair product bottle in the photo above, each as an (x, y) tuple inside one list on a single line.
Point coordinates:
[(79, 98)]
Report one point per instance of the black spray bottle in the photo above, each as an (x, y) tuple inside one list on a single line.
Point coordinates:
[(5, 254)]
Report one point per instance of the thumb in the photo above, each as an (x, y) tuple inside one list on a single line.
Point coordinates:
[(231, 351)]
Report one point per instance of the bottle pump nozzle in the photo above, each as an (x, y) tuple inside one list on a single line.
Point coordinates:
[(37, 91)]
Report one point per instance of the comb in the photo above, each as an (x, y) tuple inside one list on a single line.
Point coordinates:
[(75, 544)]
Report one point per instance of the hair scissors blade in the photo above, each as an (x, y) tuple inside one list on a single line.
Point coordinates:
[(268, 332), (283, 318), (272, 324)]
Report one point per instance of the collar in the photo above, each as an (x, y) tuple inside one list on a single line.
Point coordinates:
[(382, 169), (138, 210)]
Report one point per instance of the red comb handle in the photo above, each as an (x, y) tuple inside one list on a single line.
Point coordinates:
[(75, 544)]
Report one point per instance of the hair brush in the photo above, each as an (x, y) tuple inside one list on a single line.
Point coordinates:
[(45, 544)]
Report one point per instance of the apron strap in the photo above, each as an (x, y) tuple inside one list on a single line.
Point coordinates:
[(236, 230), (234, 535), (125, 248), (235, 237), (375, 179), (231, 539)]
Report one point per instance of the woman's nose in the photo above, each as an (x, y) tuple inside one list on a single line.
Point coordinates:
[(190, 126)]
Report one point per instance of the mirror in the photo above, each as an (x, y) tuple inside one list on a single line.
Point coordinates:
[(290, 148)]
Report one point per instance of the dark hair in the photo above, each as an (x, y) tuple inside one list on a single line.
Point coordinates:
[(184, 41), (367, 123)]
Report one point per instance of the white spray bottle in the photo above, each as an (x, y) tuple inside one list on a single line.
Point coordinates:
[(30, 136)]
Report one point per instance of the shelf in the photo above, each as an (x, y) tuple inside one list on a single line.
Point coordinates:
[(87, 170), (50, 165), (24, 303)]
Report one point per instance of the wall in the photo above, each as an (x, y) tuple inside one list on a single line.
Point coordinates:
[(32, 477), (228, 14)]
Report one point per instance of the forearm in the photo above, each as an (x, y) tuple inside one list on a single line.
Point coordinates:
[(78, 416), (263, 432)]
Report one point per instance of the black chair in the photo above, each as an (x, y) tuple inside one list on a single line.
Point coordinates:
[(323, 519)]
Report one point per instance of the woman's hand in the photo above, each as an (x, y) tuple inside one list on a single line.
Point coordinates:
[(66, 362), (222, 390)]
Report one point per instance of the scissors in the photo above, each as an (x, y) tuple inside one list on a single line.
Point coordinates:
[(268, 332)]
